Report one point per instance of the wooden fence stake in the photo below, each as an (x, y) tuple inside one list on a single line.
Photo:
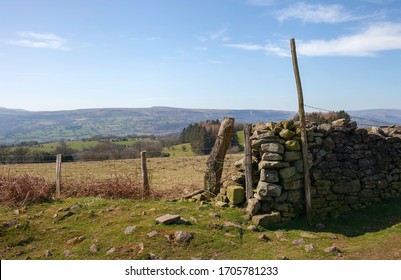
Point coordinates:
[(58, 174), (248, 161), (145, 180), (301, 110), (215, 162)]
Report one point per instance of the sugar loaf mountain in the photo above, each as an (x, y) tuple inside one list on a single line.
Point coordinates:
[(20, 125)]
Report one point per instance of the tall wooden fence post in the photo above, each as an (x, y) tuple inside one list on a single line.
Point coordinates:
[(58, 174), (145, 180), (215, 162), (248, 161), (301, 110)]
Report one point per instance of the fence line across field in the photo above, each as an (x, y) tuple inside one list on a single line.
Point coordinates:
[(179, 172)]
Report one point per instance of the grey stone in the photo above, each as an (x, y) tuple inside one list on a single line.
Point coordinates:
[(183, 236), (288, 172), (325, 128), (75, 240), (67, 253), (299, 165), (309, 235), (298, 242), (346, 186), (93, 248), (292, 156), (168, 219), (152, 234), (339, 122), (252, 228), (295, 196), (272, 148), (266, 220), (273, 164), (264, 237), (281, 236), (309, 247), (332, 249), (253, 206), (154, 257), (292, 145), (221, 204), (110, 251), (130, 229), (269, 176), (328, 144), (268, 189), (231, 224), (272, 157), (48, 253), (293, 185), (287, 134)]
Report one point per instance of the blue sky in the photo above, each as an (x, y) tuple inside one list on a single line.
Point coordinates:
[(199, 54)]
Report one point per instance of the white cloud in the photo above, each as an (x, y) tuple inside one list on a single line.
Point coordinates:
[(375, 38), (315, 13), (39, 40)]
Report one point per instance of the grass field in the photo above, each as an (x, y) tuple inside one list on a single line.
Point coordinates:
[(181, 150), (165, 173), (45, 230)]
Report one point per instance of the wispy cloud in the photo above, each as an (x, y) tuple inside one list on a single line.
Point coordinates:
[(262, 2), (316, 13), (268, 48), (39, 40), (380, 2), (218, 35), (370, 41)]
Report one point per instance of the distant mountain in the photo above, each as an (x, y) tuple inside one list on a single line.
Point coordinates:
[(377, 117), (21, 125)]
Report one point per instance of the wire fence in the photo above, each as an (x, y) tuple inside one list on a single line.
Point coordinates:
[(361, 121), (184, 173)]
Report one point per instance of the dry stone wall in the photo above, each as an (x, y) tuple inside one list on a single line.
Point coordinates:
[(350, 168)]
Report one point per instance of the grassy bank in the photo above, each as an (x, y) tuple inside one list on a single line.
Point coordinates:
[(44, 231)]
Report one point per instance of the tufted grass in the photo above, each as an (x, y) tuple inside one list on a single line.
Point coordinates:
[(371, 233)]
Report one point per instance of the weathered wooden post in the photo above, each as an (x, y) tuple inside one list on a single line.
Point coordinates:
[(145, 180), (215, 162), (248, 161), (301, 110), (58, 174)]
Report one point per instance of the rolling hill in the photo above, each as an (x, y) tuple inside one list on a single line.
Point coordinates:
[(20, 125)]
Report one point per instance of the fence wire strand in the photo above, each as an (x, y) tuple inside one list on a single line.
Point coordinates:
[(364, 122)]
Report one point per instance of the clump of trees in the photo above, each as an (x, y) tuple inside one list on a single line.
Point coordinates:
[(202, 136), (327, 117)]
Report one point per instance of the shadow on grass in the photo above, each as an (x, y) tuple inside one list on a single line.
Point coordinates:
[(371, 219)]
